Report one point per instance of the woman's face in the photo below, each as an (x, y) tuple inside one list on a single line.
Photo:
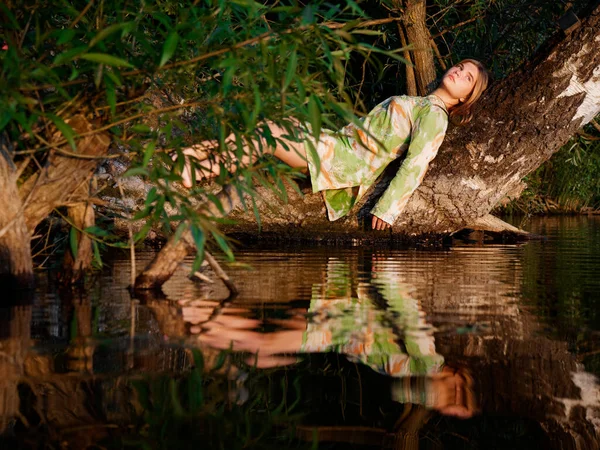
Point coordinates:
[(459, 80)]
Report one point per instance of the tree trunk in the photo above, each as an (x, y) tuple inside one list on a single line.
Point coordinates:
[(82, 216), (414, 23), (519, 124), (16, 267), (62, 181), (62, 177)]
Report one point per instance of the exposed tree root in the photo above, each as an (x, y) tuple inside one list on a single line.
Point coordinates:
[(493, 224)]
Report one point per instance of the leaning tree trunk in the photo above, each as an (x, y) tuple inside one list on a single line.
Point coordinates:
[(520, 123)]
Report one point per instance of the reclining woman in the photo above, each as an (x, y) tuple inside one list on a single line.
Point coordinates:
[(351, 160)]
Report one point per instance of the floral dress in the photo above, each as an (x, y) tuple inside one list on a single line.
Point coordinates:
[(349, 161)]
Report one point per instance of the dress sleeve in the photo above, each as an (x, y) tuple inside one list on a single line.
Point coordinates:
[(427, 134)]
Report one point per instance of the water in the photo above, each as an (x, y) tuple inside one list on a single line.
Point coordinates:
[(472, 346)]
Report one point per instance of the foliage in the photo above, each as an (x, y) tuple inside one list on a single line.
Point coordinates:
[(180, 412), (166, 74), (568, 182)]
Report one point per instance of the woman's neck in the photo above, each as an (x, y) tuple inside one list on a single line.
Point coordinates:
[(444, 96)]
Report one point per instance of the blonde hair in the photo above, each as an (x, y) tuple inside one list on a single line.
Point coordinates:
[(462, 113)]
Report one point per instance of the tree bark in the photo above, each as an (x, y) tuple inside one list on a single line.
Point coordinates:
[(82, 216), (414, 23), (62, 181), (16, 267), (63, 176)]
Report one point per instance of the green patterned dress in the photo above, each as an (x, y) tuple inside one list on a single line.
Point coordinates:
[(352, 159)]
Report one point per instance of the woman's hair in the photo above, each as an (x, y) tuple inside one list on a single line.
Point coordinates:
[(462, 113)]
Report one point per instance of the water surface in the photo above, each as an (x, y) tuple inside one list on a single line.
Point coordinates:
[(474, 345)]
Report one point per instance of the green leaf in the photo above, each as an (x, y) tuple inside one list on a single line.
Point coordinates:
[(109, 60), (96, 231), (103, 34), (256, 109), (200, 239), (115, 77), (68, 55), (227, 80), (141, 128), (152, 195), (139, 171), (148, 153), (73, 241), (169, 48), (140, 235), (143, 213), (4, 119), (97, 257), (314, 113), (290, 71), (220, 239), (65, 36), (177, 407), (314, 155), (64, 128)]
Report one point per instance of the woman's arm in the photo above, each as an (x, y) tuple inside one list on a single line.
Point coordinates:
[(427, 135)]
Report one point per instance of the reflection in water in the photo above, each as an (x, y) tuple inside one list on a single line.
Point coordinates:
[(382, 348), (379, 326)]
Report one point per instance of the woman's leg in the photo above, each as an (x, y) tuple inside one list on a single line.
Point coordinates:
[(294, 155)]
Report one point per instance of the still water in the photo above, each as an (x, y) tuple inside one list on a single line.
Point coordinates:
[(475, 345)]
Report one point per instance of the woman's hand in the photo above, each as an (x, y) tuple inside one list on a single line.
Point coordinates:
[(379, 224)]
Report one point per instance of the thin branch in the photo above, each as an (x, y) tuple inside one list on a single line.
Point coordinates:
[(264, 36), (221, 273), (438, 55), (411, 82), (458, 25), (57, 145), (82, 14)]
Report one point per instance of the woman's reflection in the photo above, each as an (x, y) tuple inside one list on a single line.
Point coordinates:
[(374, 323)]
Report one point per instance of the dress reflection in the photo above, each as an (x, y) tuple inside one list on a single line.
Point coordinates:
[(377, 324)]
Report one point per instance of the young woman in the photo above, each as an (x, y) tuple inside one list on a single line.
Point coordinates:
[(349, 161)]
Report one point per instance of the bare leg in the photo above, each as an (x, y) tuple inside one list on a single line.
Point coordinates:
[(294, 155)]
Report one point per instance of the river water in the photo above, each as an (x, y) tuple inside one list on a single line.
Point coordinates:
[(473, 345)]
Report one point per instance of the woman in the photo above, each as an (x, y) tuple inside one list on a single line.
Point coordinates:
[(352, 159)]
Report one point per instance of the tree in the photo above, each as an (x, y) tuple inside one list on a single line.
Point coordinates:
[(522, 121), (86, 82)]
